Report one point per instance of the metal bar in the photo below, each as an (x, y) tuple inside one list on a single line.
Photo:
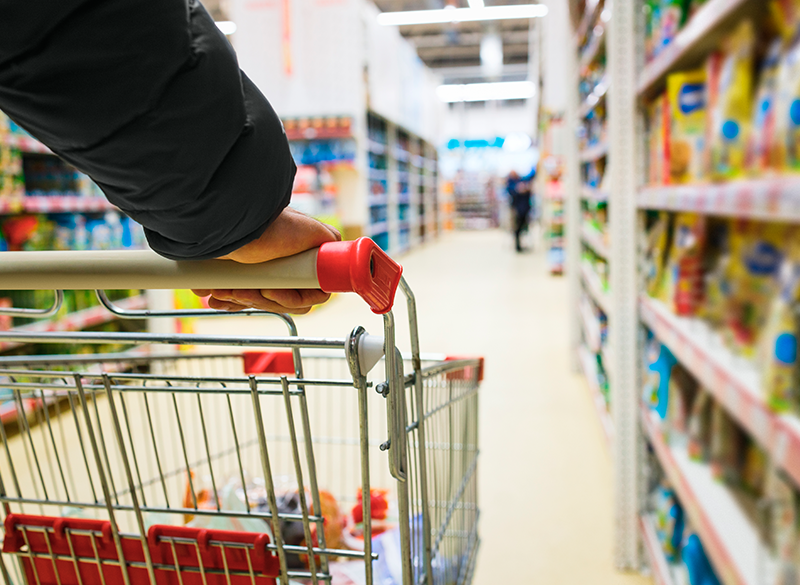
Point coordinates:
[(144, 269), (301, 490), (103, 483), (271, 499), (129, 476), (37, 313), (170, 339), (416, 363)]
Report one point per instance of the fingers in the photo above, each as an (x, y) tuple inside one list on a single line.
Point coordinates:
[(292, 232), (298, 302)]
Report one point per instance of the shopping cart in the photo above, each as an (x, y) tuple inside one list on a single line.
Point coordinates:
[(246, 459)]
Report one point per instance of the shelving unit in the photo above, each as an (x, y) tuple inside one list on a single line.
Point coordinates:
[(589, 162), (662, 572), (732, 543), (401, 177), (721, 518)]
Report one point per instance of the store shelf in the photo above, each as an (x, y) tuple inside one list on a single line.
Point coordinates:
[(773, 198), (594, 153), (595, 240), (662, 572), (377, 200), (25, 144), (733, 381), (591, 326), (377, 174), (590, 14), (729, 538), (593, 195), (380, 227), (78, 320), (589, 367), (56, 204), (701, 34), (376, 147), (591, 52), (595, 288), (402, 155), (591, 101)]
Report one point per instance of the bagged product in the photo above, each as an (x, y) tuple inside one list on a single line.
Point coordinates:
[(658, 114), (761, 154), (731, 108), (716, 282), (699, 427), (683, 277), (787, 94), (686, 94), (672, 16), (756, 258), (656, 254), (778, 346), (727, 446), (783, 526)]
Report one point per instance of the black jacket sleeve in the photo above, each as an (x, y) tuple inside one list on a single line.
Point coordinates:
[(146, 97)]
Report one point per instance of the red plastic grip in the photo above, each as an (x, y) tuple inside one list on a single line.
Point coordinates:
[(359, 266)]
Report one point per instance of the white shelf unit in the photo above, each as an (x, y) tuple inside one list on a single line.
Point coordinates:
[(589, 294), (733, 544), (401, 185)]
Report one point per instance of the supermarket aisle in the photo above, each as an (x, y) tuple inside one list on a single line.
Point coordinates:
[(545, 476)]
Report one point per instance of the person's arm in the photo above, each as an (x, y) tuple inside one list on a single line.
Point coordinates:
[(146, 97)]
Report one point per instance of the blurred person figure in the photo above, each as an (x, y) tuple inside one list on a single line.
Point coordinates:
[(520, 197)]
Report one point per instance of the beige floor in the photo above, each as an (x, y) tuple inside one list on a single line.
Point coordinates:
[(545, 473)]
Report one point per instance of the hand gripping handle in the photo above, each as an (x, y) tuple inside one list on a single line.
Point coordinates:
[(359, 266)]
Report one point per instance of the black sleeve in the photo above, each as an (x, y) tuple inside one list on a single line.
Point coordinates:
[(146, 97)]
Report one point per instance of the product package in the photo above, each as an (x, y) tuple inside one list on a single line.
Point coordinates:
[(683, 278), (786, 144), (778, 345), (761, 155), (686, 94), (730, 102), (699, 427), (727, 446), (756, 257)]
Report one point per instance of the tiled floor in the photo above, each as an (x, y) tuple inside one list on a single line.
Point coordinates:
[(545, 471)]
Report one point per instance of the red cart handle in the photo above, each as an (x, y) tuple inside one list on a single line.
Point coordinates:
[(361, 267)]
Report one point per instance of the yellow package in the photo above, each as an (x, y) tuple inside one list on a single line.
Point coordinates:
[(756, 258), (778, 345), (686, 93), (731, 88), (655, 256)]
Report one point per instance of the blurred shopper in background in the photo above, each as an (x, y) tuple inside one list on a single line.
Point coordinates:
[(520, 195)]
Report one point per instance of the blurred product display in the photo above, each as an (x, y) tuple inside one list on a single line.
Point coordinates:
[(711, 175)]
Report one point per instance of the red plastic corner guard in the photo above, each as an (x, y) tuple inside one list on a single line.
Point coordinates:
[(359, 266)]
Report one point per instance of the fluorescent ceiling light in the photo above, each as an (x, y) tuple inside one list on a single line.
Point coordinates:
[(481, 92), (228, 27), (476, 3), (451, 14)]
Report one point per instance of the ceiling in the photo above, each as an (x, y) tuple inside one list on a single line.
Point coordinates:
[(453, 49)]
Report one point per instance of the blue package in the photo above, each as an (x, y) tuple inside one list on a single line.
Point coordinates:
[(697, 564)]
